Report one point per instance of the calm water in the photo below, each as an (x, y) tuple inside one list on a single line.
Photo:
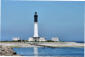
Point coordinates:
[(45, 51)]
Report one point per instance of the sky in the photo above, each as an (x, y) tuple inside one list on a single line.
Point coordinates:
[(56, 19)]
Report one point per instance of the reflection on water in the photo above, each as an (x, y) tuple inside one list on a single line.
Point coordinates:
[(36, 51), (44, 51)]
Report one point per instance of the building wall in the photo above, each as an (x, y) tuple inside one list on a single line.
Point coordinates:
[(30, 39), (40, 39), (55, 39)]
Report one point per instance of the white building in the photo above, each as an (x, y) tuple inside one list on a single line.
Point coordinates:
[(16, 38), (55, 39), (40, 39), (30, 39)]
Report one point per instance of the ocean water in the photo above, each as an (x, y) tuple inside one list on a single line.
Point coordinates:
[(46, 51)]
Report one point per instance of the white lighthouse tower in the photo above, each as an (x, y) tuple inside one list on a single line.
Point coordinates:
[(35, 25), (36, 36)]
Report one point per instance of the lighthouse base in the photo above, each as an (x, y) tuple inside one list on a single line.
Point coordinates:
[(36, 39)]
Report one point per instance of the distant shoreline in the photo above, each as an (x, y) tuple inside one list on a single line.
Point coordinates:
[(45, 41)]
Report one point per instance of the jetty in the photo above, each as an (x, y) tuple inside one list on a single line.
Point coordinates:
[(40, 44), (6, 48)]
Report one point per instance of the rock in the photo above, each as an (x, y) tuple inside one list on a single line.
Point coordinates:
[(7, 51)]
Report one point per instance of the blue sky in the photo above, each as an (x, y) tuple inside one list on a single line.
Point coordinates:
[(62, 19)]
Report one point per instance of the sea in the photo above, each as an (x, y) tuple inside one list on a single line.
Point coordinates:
[(47, 51)]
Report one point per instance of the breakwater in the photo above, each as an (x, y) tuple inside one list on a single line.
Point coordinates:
[(7, 51)]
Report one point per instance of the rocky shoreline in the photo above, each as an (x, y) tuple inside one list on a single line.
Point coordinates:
[(7, 51), (6, 47)]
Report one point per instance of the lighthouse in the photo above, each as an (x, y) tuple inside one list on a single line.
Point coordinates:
[(35, 35), (35, 25)]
